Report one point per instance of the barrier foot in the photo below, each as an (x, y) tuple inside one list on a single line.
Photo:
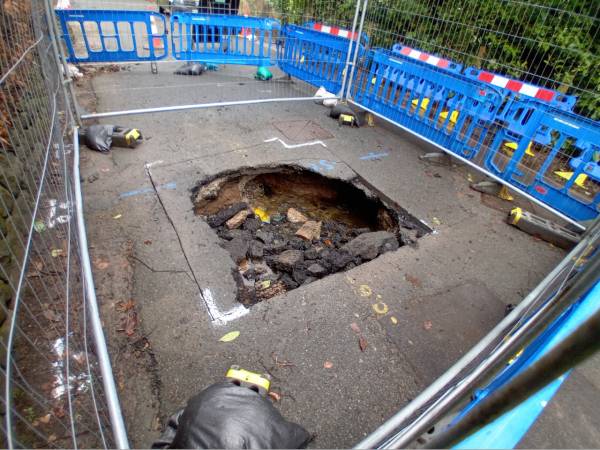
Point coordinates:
[(263, 74), (436, 157), (154, 67)]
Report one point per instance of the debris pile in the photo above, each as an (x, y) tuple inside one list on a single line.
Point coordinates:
[(291, 249), (284, 230)]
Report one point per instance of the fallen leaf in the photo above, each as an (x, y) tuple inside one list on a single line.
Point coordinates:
[(105, 169), (51, 315), (364, 290), (416, 282), (275, 396), (328, 365), (56, 252), (380, 308), (436, 221), (156, 425), (427, 324), (118, 216), (52, 438), (39, 226), (147, 242), (44, 419), (128, 323), (125, 306), (362, 344), (469, 178), (231, 336), (328, 242), (101, 263), (265, 284), (59, 412), (355, 327), (394, 320)]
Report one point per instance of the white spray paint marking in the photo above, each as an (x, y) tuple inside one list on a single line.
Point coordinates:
[(218, 317), (153, 163), (306, 144)]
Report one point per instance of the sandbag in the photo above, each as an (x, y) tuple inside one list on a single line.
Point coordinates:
[(190, 69), (98, 137), (225, 415)]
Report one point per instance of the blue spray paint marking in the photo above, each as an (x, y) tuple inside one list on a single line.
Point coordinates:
[(172, 185), (373, 156), (324, 165)]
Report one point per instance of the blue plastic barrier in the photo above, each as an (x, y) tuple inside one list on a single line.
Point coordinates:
[(519, 89), (223, 39), (316, 57), (112, 35), (563, 170), (446, 108), (414, 54)]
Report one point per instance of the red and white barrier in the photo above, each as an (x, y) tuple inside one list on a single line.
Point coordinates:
[(425, 57), (517, 86), (335, 31), (157, 42)]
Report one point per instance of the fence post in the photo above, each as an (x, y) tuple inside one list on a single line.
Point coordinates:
[(346, 66), (61, 61), (354, 59)]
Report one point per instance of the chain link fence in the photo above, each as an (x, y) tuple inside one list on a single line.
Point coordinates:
[(53, 393)]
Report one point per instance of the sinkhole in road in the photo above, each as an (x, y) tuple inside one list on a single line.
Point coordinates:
[(286, 227)]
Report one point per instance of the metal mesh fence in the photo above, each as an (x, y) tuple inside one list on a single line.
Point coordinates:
[(52, 390), (551, 43)]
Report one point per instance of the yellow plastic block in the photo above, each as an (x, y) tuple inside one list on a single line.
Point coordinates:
[(262, 215), (513, 147), (443, 114), (579, 181)]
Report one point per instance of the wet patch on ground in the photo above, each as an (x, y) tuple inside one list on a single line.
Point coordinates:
[(288, 227)]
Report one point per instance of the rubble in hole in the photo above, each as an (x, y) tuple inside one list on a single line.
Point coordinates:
[(290, 227)]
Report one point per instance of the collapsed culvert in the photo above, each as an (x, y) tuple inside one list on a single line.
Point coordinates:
[(288, 227)]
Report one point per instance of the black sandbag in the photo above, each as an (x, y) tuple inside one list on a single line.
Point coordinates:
[(225, 415), (190, 69), (98, 137)]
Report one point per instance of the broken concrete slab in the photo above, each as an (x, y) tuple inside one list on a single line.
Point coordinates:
[(288, 260), (225, 214), (310, 230), (237, 220), (295, 216), (368, 246)]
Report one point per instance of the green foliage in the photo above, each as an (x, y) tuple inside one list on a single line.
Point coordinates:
[(549, 43)]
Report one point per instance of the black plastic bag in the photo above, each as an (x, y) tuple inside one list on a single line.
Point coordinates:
[(225, 415), (98, 137), (190, 69)]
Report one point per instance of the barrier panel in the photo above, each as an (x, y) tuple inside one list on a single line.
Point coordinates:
[(317, 53), (517, 89), (112, 35), (562, 169), (223, 39), (418, 55), (444, 107)]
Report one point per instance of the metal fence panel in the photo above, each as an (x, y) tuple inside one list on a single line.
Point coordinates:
[(316, 54), (53, 388)]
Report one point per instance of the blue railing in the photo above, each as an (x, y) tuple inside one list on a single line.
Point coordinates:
[(113, 36), (315, 57), (223, 39)]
